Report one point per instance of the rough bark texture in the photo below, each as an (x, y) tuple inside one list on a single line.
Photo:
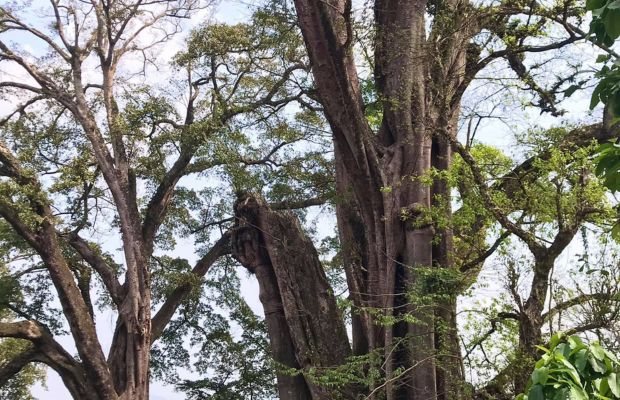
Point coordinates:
[(386, 233), (305, 325)]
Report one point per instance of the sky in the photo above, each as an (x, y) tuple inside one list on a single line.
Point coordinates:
[(493, 131)]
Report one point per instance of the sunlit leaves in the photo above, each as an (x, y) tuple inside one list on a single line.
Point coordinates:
[(571, 369)]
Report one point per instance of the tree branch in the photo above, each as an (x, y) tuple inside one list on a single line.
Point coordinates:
[(20, 25), (490, 204), (580, 300), (97, 262), (577, 138), (174, 300), (46, 350), (15, 365)]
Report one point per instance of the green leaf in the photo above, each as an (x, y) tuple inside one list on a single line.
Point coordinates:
[(612, 24), (557, 338), (540, 375), (571, 370), (581, 360), (597, 351), (613, 380), (594, 4), (570, 90), (577, 393), (601, 58), (597, 365), (560, 394), (536, 393), (596, 96), (575, 342)]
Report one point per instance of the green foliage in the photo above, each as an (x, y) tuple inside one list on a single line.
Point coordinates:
[(605, 27), (607, 90), (571, 369), (608, 165), (18, 387), (608, 169), (228, 344)]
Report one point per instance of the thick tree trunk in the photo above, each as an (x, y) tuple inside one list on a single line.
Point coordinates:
[(300, 308), (386, 174), (131, 345), (250, 250), (81, 324), (450, 374), (354, 252)]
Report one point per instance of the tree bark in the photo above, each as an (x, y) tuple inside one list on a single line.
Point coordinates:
[(385, 173), (305, 325)]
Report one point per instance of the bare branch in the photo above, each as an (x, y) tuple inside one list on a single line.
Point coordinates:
[(581, 300), (21, 109), (13, 23)]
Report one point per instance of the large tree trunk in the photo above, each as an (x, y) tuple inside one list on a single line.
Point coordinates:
[(387, 234), (305, 326)]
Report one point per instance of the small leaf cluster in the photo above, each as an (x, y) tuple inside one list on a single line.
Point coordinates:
[(605, 28), (605, 17), (571, 369)]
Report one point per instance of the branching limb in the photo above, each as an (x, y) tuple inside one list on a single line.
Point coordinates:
[(486, 254), (21, 109), (527, 237), (580, 137), (45, 350), (15, 365), (581, 300), (174, 300), (11, 22), (97, 262)]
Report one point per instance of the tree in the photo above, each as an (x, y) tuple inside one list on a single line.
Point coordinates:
[(113, 152), (16, 356), (389, 234)]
